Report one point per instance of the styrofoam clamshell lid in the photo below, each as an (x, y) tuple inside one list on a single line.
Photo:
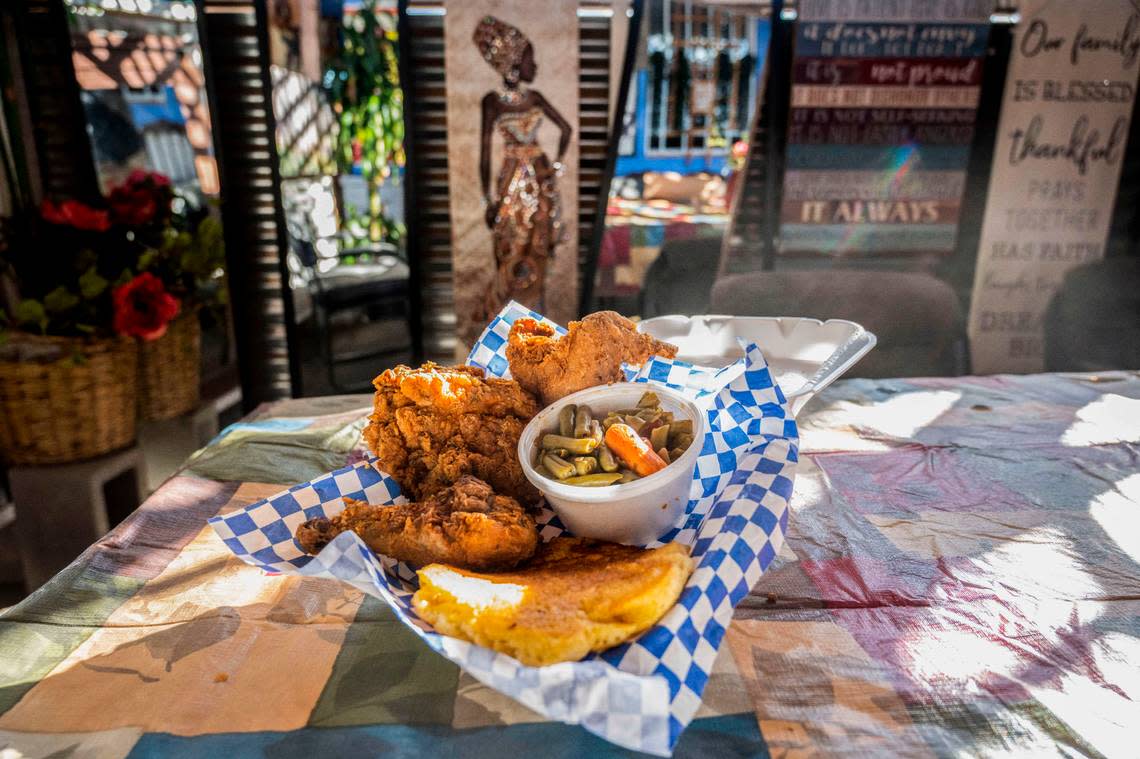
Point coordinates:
[(805, 354)]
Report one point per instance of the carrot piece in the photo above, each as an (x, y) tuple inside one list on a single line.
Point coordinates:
[(634, 451)]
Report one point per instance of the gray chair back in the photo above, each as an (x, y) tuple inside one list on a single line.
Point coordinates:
[(916, 317)]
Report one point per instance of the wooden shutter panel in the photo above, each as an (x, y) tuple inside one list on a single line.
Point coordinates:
[(235, 44)]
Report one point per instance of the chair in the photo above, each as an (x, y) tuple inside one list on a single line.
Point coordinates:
[(916, 317), (679, 280), (373, 278), (1093, 322)]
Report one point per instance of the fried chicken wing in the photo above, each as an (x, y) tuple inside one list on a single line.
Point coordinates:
[(432, 425), (590, 354), (466, 525)]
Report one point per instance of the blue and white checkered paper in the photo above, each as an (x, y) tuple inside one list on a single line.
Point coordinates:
[(641, 694)]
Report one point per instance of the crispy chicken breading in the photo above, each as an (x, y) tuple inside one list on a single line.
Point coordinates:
[(590, 354), (465, 525), (432, 425)]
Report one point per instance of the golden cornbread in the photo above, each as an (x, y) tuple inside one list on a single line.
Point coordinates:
[(574, 597)]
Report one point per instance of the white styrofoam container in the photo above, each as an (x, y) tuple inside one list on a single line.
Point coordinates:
[(806, 355)]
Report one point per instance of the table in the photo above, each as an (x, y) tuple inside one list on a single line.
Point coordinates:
[(961, 576), (634, 235)]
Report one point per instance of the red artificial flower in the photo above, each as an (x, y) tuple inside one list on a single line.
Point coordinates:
[(143, 307), (143, 196), (72, 213)]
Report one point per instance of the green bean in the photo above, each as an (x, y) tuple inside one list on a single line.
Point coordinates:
[(579, 445), (606, 459), (635, 422), (582, 419), (584, 464), (561, 452), (683, 426), (664, 454), (627, 476), (659, 437), (682, 441), (594, 480), (558, 466), (566, 420), (596, 431), (611, 420), (676, 453), (648, 400), (544, 472)]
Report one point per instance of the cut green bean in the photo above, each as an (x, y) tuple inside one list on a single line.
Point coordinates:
[(593, 480), (664, 454), (596, 431), (566, 420), (627, 476), (659, 437), (544, 472), (606, 459), (558, 466), (584, 464), (577, 445), (649, 400), (682, 441), (682, 426), (582, 419), (676, 453), (635, 422)]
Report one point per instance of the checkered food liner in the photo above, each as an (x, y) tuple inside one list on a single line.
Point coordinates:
[(641, 694)]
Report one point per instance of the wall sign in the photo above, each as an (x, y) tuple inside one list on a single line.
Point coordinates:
[(1061, 138), (883, 104)]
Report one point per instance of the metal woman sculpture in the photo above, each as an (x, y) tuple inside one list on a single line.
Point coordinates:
[(524, 214)]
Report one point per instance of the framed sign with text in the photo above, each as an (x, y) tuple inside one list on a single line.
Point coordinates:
[(1061, 137), (883, 103)]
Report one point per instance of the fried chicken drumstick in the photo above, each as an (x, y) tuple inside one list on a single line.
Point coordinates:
[(433, 424), (590, 354), (465, 525)]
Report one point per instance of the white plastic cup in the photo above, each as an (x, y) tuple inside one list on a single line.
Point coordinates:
[(633, 513)]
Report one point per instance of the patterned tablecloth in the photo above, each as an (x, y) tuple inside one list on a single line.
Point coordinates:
[(961, 577)]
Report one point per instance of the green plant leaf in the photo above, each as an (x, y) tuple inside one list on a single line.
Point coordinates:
[(59, 300), (31, 312), (91, 285)]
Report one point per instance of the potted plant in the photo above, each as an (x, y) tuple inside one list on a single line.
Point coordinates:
[(67, 377), (99, 318), (179, 272)]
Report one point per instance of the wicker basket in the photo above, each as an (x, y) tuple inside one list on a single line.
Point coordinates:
[(66, 399), (169, 370)]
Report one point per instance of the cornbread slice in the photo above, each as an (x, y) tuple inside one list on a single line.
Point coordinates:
[(574, 597)]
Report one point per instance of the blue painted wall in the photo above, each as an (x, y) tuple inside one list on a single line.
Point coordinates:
[(698, 160)]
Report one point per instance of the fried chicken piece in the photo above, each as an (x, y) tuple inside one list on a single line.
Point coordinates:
[(590, 354), (434, 424), (466, 525)]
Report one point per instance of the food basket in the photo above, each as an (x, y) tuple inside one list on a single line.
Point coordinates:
[(640, 694), (65, 399)]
